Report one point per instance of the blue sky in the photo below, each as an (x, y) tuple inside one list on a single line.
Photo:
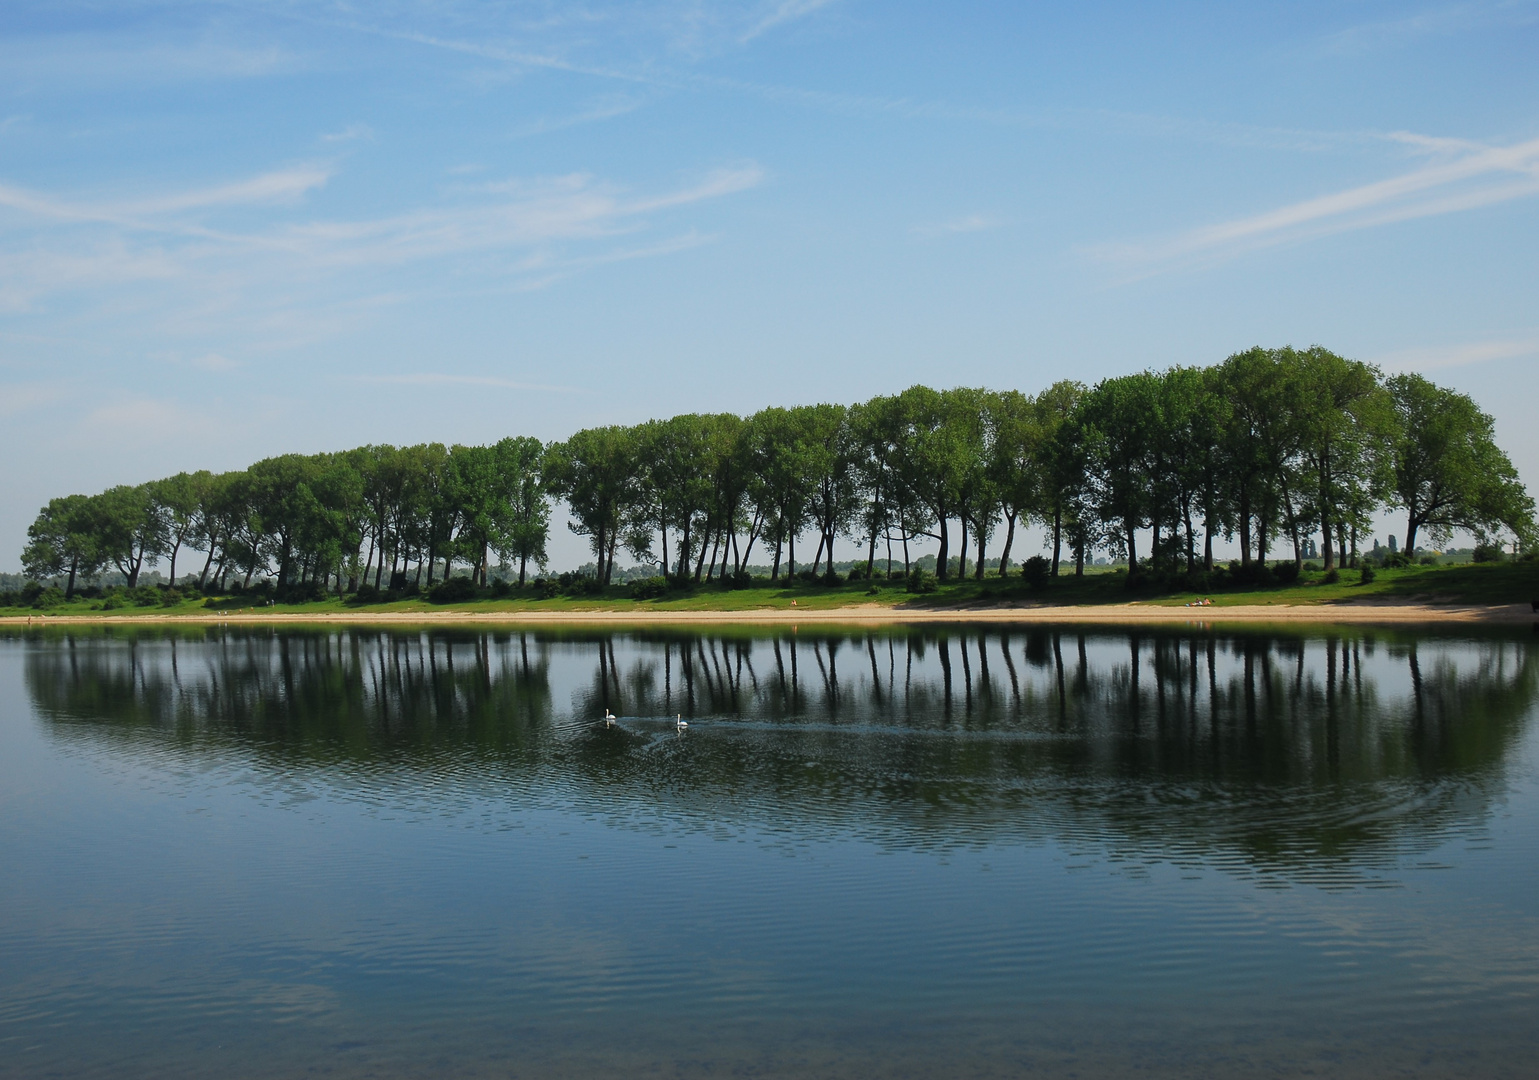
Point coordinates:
[(229, 230)]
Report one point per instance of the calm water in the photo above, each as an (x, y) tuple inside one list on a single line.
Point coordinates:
[(947, 853)]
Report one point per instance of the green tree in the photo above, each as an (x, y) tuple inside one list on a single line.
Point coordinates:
[(596, 471), (1063, 467), (1122, 421), (1449, 472), (525, 528), (65, 539), (131, 528), (180, 499), (1346, 427), (781, 476)]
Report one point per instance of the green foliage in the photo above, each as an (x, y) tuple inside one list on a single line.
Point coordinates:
[(1332, 576), (457, 590), (1035, 570), (1367, 574), (1273, 447), (50, 597), (922, 581), (649, 588), (1488, 553)]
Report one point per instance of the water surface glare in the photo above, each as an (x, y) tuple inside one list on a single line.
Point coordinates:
[(893, 853)]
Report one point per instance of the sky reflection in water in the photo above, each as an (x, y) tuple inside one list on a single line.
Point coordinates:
[(904, 852)]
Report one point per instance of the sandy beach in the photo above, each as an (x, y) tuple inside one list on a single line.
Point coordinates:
[(1357, 613)]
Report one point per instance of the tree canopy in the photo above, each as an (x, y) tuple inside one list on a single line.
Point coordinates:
[(1269, 446)]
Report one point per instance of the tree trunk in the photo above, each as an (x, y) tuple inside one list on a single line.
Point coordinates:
[(962, 549), (1004, 555), (69, 589), (700, 562), (203, 576), (1410, 536), (1244, 525), (978, 562), (945, 549), (1132, 539), (1191, 537), (1057, 537), (523, 565)]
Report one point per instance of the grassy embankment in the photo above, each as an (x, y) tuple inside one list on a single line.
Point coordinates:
[(1507, 583)]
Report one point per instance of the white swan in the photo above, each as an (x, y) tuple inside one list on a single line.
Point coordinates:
[(680, 722), (609, 717)]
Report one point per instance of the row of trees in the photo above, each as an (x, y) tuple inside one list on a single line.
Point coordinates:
[(1270, 446), (373, 515)]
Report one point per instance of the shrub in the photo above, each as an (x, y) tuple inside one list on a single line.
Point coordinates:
[(297, 592), (50, 597), (649, 588), (806, 576), (1286, 573), (582, 585), (1312, 567), (1035, 571), (170, 598), (501, 588), (144, 596), (547, 589), (1488, 553), (1427, 560), (1257, 573), (456, 590), (1367, 574), (1395, 560), (922, 581), (368, 593), (874, 590), (1333, 577), (831, 579)]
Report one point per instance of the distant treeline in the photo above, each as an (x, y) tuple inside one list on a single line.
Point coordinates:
[(1271, 445)]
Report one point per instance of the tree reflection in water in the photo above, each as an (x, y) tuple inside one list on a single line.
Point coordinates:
[(1317, 756)]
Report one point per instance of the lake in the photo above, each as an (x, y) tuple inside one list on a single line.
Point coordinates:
[(904, 852)]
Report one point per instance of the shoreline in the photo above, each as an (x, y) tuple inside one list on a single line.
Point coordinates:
[(1362, 613)]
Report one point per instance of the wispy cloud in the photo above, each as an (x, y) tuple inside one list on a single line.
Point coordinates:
[(147, 420), (351, 133), (162, 236), (970, 224), (439, 378), (1429, 22), (606, 110), (17, 398), (213, 362), (1466, 176), (283, 186), (1433, 357), (783, 12)]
